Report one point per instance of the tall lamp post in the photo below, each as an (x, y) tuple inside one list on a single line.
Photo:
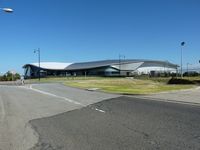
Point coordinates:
[(199, 71), (188, 69), (120, 56), (7, 10), (182, 44), (38, 51)]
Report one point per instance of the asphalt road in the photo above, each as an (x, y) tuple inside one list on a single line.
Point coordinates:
[(19, 105), (125, 124), (73, 119)]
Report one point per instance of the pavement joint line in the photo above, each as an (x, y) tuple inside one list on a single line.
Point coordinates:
[(67, 99)]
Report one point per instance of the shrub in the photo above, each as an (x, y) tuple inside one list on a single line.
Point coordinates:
[(10, 77), (180, 81)]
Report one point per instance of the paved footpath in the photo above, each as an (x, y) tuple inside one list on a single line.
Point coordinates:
[(190, 96)]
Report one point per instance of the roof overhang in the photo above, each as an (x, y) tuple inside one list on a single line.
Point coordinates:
[(49, 65)]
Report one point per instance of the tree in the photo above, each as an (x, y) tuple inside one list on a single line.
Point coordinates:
[(10, 76)]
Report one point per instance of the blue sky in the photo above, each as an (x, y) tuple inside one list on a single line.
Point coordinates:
[(85, 30)]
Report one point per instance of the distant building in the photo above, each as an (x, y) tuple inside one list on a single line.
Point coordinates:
[(127, 67)]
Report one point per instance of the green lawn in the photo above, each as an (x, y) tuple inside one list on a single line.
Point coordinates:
[(126, 86), (120, 85)]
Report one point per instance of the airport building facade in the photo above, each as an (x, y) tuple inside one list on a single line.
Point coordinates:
[(129, 67)]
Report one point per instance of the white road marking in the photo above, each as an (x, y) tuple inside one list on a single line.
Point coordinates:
[(99, 110), (60, 97), (53, 95), (50, 94)]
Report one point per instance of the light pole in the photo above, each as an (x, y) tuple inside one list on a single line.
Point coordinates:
[(182, 44), (7, 10), (38, 51), (188, 69), (120, 63), (199, 71)]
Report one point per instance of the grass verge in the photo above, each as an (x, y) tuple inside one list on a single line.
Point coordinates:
[(126, 86), (120, 85)]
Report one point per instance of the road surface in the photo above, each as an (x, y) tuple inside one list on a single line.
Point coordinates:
[(55, 117), (19, 105)]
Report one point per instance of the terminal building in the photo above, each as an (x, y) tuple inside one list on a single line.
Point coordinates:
[(126, 67)]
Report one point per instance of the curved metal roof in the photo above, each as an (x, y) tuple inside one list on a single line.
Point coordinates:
[(96, 64), (103, 63), (50, 65)]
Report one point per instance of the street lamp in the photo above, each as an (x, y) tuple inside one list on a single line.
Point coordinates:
[(7, 10), (188, 69), (38, 51), (199, 71), (182, 44), (120, 56)]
